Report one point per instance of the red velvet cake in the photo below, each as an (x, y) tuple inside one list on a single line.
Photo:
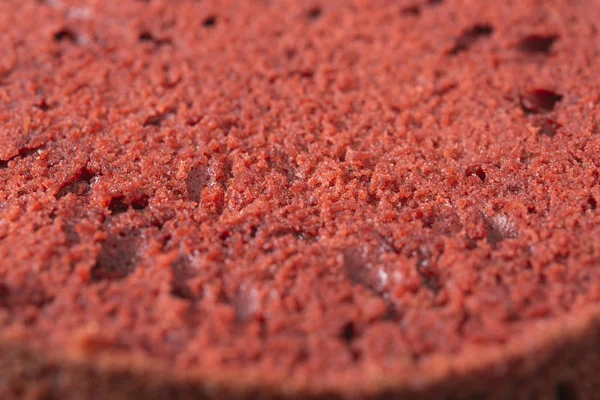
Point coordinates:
[(350, 199)]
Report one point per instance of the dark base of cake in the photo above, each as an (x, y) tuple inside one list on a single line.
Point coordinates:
[(565, 369)]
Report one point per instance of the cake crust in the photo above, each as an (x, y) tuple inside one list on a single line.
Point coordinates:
[(559, 364)]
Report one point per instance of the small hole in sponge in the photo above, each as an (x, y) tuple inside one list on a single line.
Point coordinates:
[(196, 180), (500, 228), (537, 43), (357, 272), (157, 118), (348, 332), (427, 274), (565, 391), (23, 153), (539, 100), (413, 11), (476, 171), (79, 185), (140, 203), (314, 13), (470, 36), (592, 204), (118, 256), (4, 291), (43, 105), (290, 53), (210, 21), (182, 271), (65, 35), (547, 127), (146, 37), (117, 205)]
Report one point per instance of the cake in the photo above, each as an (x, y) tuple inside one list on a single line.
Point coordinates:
[(351, 199)]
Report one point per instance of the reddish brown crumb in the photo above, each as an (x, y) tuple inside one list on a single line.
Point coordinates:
[(310, 194)]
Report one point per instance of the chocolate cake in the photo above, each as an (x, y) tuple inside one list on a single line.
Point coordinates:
[(352, 199)]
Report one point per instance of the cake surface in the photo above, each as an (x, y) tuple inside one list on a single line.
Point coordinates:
[(285, 199)]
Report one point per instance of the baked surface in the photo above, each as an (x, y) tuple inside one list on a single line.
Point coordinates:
[(337, 197)]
